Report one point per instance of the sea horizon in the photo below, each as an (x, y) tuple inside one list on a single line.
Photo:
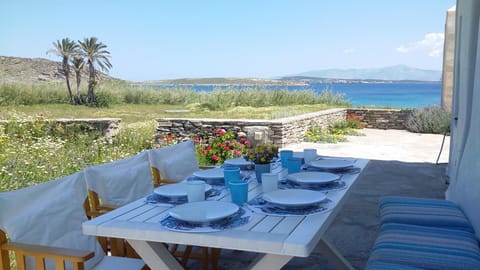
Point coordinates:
[(397, 94)]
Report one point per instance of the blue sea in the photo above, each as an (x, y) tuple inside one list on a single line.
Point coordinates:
[(394, 94)]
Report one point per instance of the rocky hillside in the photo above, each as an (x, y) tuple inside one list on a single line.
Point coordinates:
[(17, 69)]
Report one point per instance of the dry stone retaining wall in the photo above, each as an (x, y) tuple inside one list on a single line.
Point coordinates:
[(283, 131), (381, 118), (280, 131)]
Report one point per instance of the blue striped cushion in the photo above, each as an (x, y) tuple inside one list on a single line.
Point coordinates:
[(426, 247), (377, 265), (420, 211)]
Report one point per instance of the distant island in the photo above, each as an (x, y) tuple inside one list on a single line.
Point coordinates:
[(391, 73), (17, 69)]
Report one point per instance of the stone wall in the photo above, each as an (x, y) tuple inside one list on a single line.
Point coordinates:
[(448, 60), (280, 131), (381, 118), (109, 127), (283, 131)]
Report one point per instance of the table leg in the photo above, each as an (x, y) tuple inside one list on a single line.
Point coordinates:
[(333, 255), (269, 261), (155, 255)]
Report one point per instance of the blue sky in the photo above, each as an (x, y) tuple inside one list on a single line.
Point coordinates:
[(154, 40)]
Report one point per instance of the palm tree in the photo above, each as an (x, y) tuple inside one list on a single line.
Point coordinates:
[(65, 49), (97, 57), (78, 64)]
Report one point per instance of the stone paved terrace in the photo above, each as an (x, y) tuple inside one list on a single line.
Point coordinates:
[(402, 163)]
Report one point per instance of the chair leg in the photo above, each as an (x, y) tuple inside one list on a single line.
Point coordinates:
[(215, 255), (186, 255), (205, 258)]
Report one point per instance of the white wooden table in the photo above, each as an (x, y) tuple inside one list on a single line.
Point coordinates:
[(276, 239)]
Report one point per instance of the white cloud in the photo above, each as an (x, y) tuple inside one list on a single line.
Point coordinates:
[(348, 51), (431, 42)]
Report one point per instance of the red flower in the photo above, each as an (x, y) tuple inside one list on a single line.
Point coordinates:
[(220, 145), (226, 148), (21, 137), (247, 143), (196, 139), (215, 157), (209, 148)]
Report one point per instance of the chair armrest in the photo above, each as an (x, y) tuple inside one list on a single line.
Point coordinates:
[(168, 181), (107, 207), (73, 255)]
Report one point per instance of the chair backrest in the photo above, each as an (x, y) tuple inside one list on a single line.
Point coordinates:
[(121, 181), (173, 163), (49, 214)]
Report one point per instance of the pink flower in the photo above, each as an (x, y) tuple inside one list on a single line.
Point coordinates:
[(215, 157)]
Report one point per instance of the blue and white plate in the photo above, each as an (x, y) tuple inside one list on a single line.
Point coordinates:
[(294, 198), (313, 178), (210, 174), (176, 190), (203, 211), (240, 162), (331, 164)]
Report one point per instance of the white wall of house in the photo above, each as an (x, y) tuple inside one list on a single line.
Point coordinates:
[(448, 60), (464, 163)]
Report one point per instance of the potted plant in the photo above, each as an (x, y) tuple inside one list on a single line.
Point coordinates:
[(262, 155)]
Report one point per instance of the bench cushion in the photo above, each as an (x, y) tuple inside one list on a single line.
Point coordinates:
[(421, 211), (377, 265), (426, 247)]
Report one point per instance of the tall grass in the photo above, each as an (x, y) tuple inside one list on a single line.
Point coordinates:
[(30, 94), (113, 92)]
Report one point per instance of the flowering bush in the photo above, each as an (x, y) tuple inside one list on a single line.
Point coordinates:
[(355, 121), (262, 153), (220, 147)]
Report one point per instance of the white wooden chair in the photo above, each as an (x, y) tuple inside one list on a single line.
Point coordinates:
[(119, 182), (114, 184), (44, 228), (173, 164)]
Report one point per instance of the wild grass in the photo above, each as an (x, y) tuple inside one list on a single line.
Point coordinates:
[(111, 93), (31, 152)]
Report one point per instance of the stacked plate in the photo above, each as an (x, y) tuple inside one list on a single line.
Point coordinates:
[(313, 179), (176, 192), (204, 212), (212, 176), (294, 198), (330, 164), (240, 162)]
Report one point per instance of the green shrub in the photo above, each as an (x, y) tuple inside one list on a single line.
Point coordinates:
[(431, 119)]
